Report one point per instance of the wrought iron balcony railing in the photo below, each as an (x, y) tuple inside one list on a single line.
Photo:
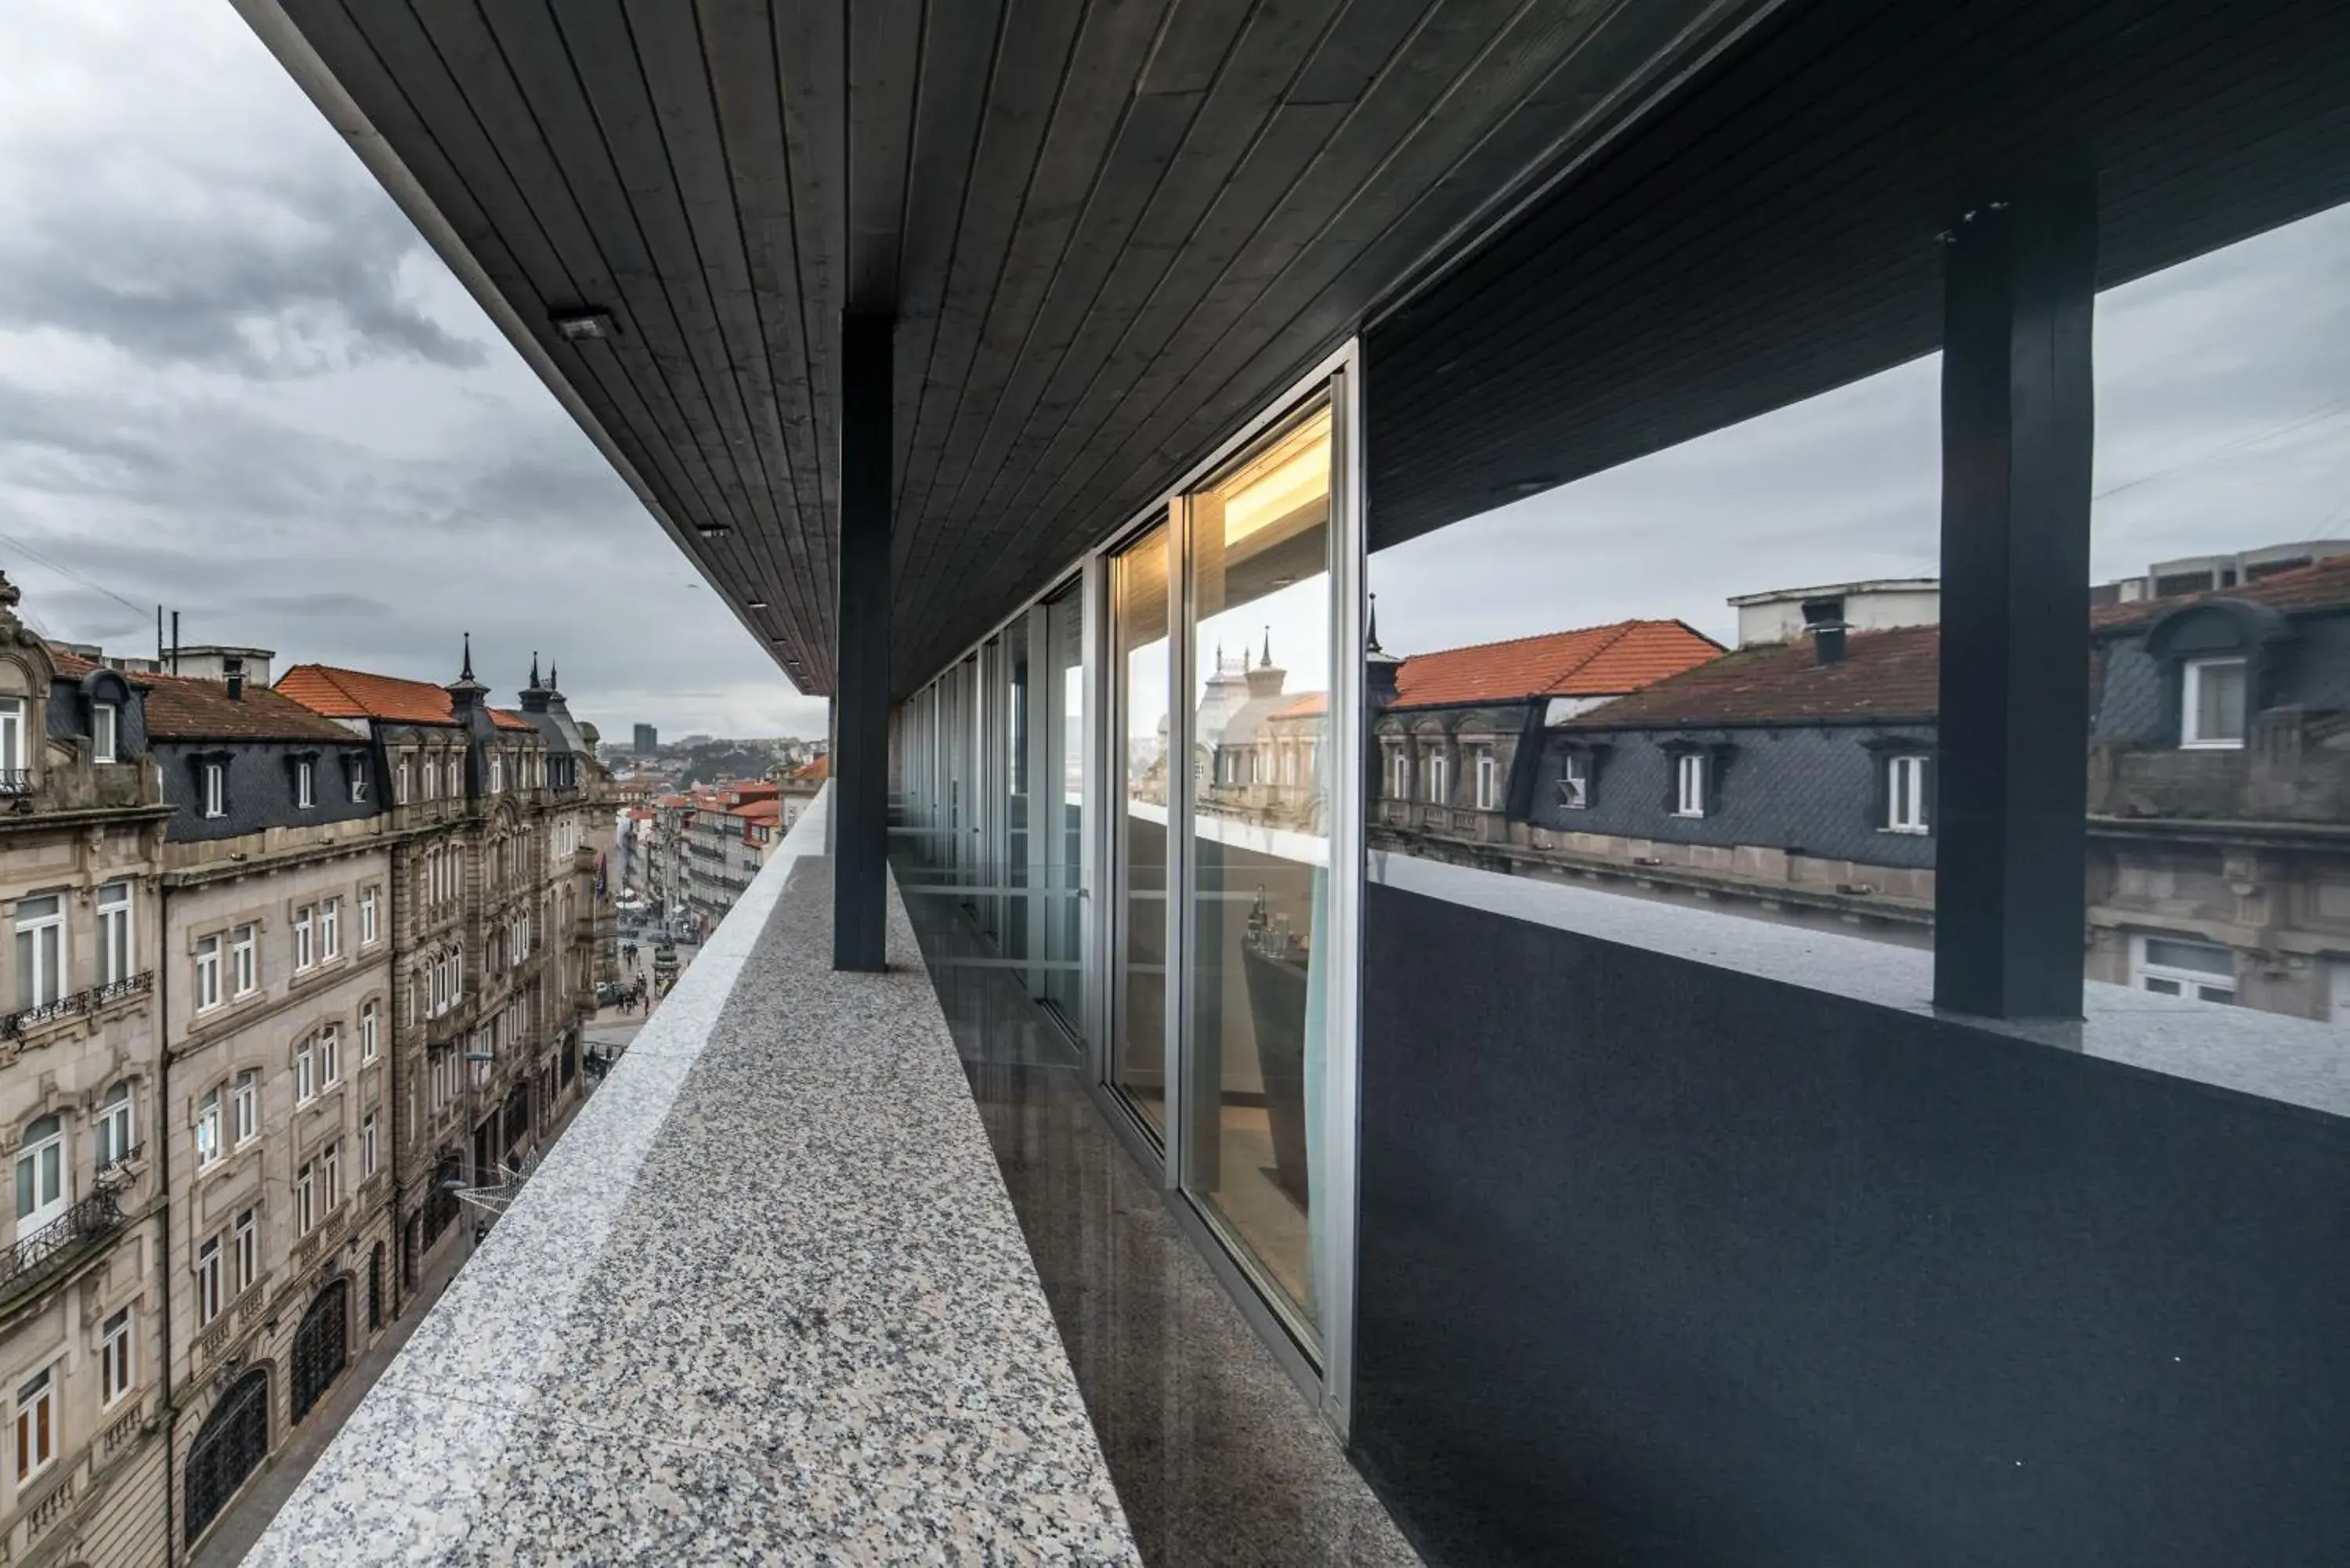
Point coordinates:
[(16, 780), (93, 1216), (87, 999)]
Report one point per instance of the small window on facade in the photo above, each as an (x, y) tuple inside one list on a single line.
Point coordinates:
[(1904, 795), (2212, 704), (248, 1248), (1439, 786), (330, 1056), (40, 950), (114, 1359), (432, 779), (208, 1128), (245, 960), (244, 1106), (2200, 972), (358, 786), (208, 973), (113, 933), (370, 1017), (40, 1175), (12, 740), (306, 1069), (399, 782), (305, 1197), (1489, 780), (215, 789), (366, 1146), (115, 1132), (305, 947), (330, 929), (306, 783), (1575, 782), (497, 774), (208, 1280), (1689, 784), (367, 917), (37, 1424), (104, 718)]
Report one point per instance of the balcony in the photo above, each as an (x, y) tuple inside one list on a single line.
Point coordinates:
[(75, 1004), (48, 1251)]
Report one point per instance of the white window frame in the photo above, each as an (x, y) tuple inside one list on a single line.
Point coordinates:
[(11, 733), (1399, 773), (1574, 781), (371, 1028), (215, 789), (208, 1280), (399, 782), (114, 933), (306, 783), (206, 1125), (305, 1071), (2191, 694), (37, 1424), (247, 1232), (355, 771), (244, 1108), (330, 931), (42, 954), (369, 931), (1439, 785), (305, 953), (306, 1196), (1689, 784), (105, 732), (330, 1057), (115, 1130), (367, 1145), (44, 1184), (497, 772), (432, 778), (114, 1359), (1905, 794), (2146, 973), (245, 954), (1489, 780)]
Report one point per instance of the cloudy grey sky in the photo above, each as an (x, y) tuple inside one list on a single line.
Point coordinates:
[(2223, 422), (234, 380)]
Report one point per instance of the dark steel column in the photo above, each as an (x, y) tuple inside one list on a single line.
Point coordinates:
[(860, 752), (2017, 438)]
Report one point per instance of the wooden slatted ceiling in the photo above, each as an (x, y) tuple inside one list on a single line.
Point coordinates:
[(1109, 229)]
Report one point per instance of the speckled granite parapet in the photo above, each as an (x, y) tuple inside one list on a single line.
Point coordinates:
[(766, 1301)]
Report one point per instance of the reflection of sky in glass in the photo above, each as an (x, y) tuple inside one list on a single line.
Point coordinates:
[(1298, 620), (2223, 423)]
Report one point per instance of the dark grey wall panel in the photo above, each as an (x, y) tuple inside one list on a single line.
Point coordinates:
[(1665, 1265)]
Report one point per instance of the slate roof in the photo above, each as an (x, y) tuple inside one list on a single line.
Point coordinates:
[(358, 694), (1590, 661), (1884, 675), (2320, 585), (181, 707)]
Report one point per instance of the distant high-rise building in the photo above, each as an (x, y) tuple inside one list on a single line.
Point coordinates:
[(647, 740)]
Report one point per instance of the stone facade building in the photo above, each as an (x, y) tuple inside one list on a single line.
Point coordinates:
[(277, 895), (82, 1312)]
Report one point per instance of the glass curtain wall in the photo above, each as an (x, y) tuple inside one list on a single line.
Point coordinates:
[(1139, 665), (1257, 851)]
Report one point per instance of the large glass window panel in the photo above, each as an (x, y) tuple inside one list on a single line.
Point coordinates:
[(1139, 770), (1258, 850), (1057, 791)]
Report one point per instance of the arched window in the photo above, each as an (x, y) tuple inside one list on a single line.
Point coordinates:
[(115, 1140), (41, 1175), (319, 1345), (234, 1439)]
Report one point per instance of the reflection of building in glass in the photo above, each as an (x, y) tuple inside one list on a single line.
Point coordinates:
[(1795, 779), (1256, 747)]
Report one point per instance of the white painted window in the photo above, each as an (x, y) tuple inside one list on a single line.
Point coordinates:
[(208, 1280), (1489, 781), (367, 927), (245, 960), (41, 1175), (399, 782), (305, 953), (358, 788), (330, 1177), (117, 1134), (215, 789), (1689, 784), (37, 1424), (208, 1128), (366, 1146), (432, 778), (244, 1106), (1904, 795), (306, 1070), (1574, 781), (1439, 785), (370, 1021), (2170, 966), (11, 733), (114, 933), (105, 726), (114, 1359), (497, 772), (1400, 773), (306, 783), (2212, 704), (248, 1248), (330, 1056), (330, 929), (40, 950), (305, 1197)]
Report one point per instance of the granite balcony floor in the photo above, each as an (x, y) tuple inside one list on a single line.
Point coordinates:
[(1218, 1459), (766, 1302)]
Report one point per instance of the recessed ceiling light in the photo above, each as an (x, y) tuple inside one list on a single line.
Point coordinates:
[(1526, 486), (713, 530), (754, 604), (579, 322)]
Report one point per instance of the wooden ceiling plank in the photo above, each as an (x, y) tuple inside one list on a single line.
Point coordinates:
[(810, 48)]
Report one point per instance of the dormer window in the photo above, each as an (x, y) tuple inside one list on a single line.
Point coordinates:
[(1689, 785), (497, 774), (12, 735), (216, 781), (306, 783), (399, 782), (1574, 781), (2212, 704), (105, 720), (358, 788)]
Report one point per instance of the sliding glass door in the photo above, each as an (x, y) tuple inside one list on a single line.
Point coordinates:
[(1140, 763), (1256, 851)]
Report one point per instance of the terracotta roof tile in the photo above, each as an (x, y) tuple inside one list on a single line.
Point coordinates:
[(2320, 585), (816, 772), (181, 707), (1590, 661), (1306, 705), (358, 694), (1883, 676)]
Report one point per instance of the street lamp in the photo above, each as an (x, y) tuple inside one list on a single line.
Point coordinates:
[(472, 1159)]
